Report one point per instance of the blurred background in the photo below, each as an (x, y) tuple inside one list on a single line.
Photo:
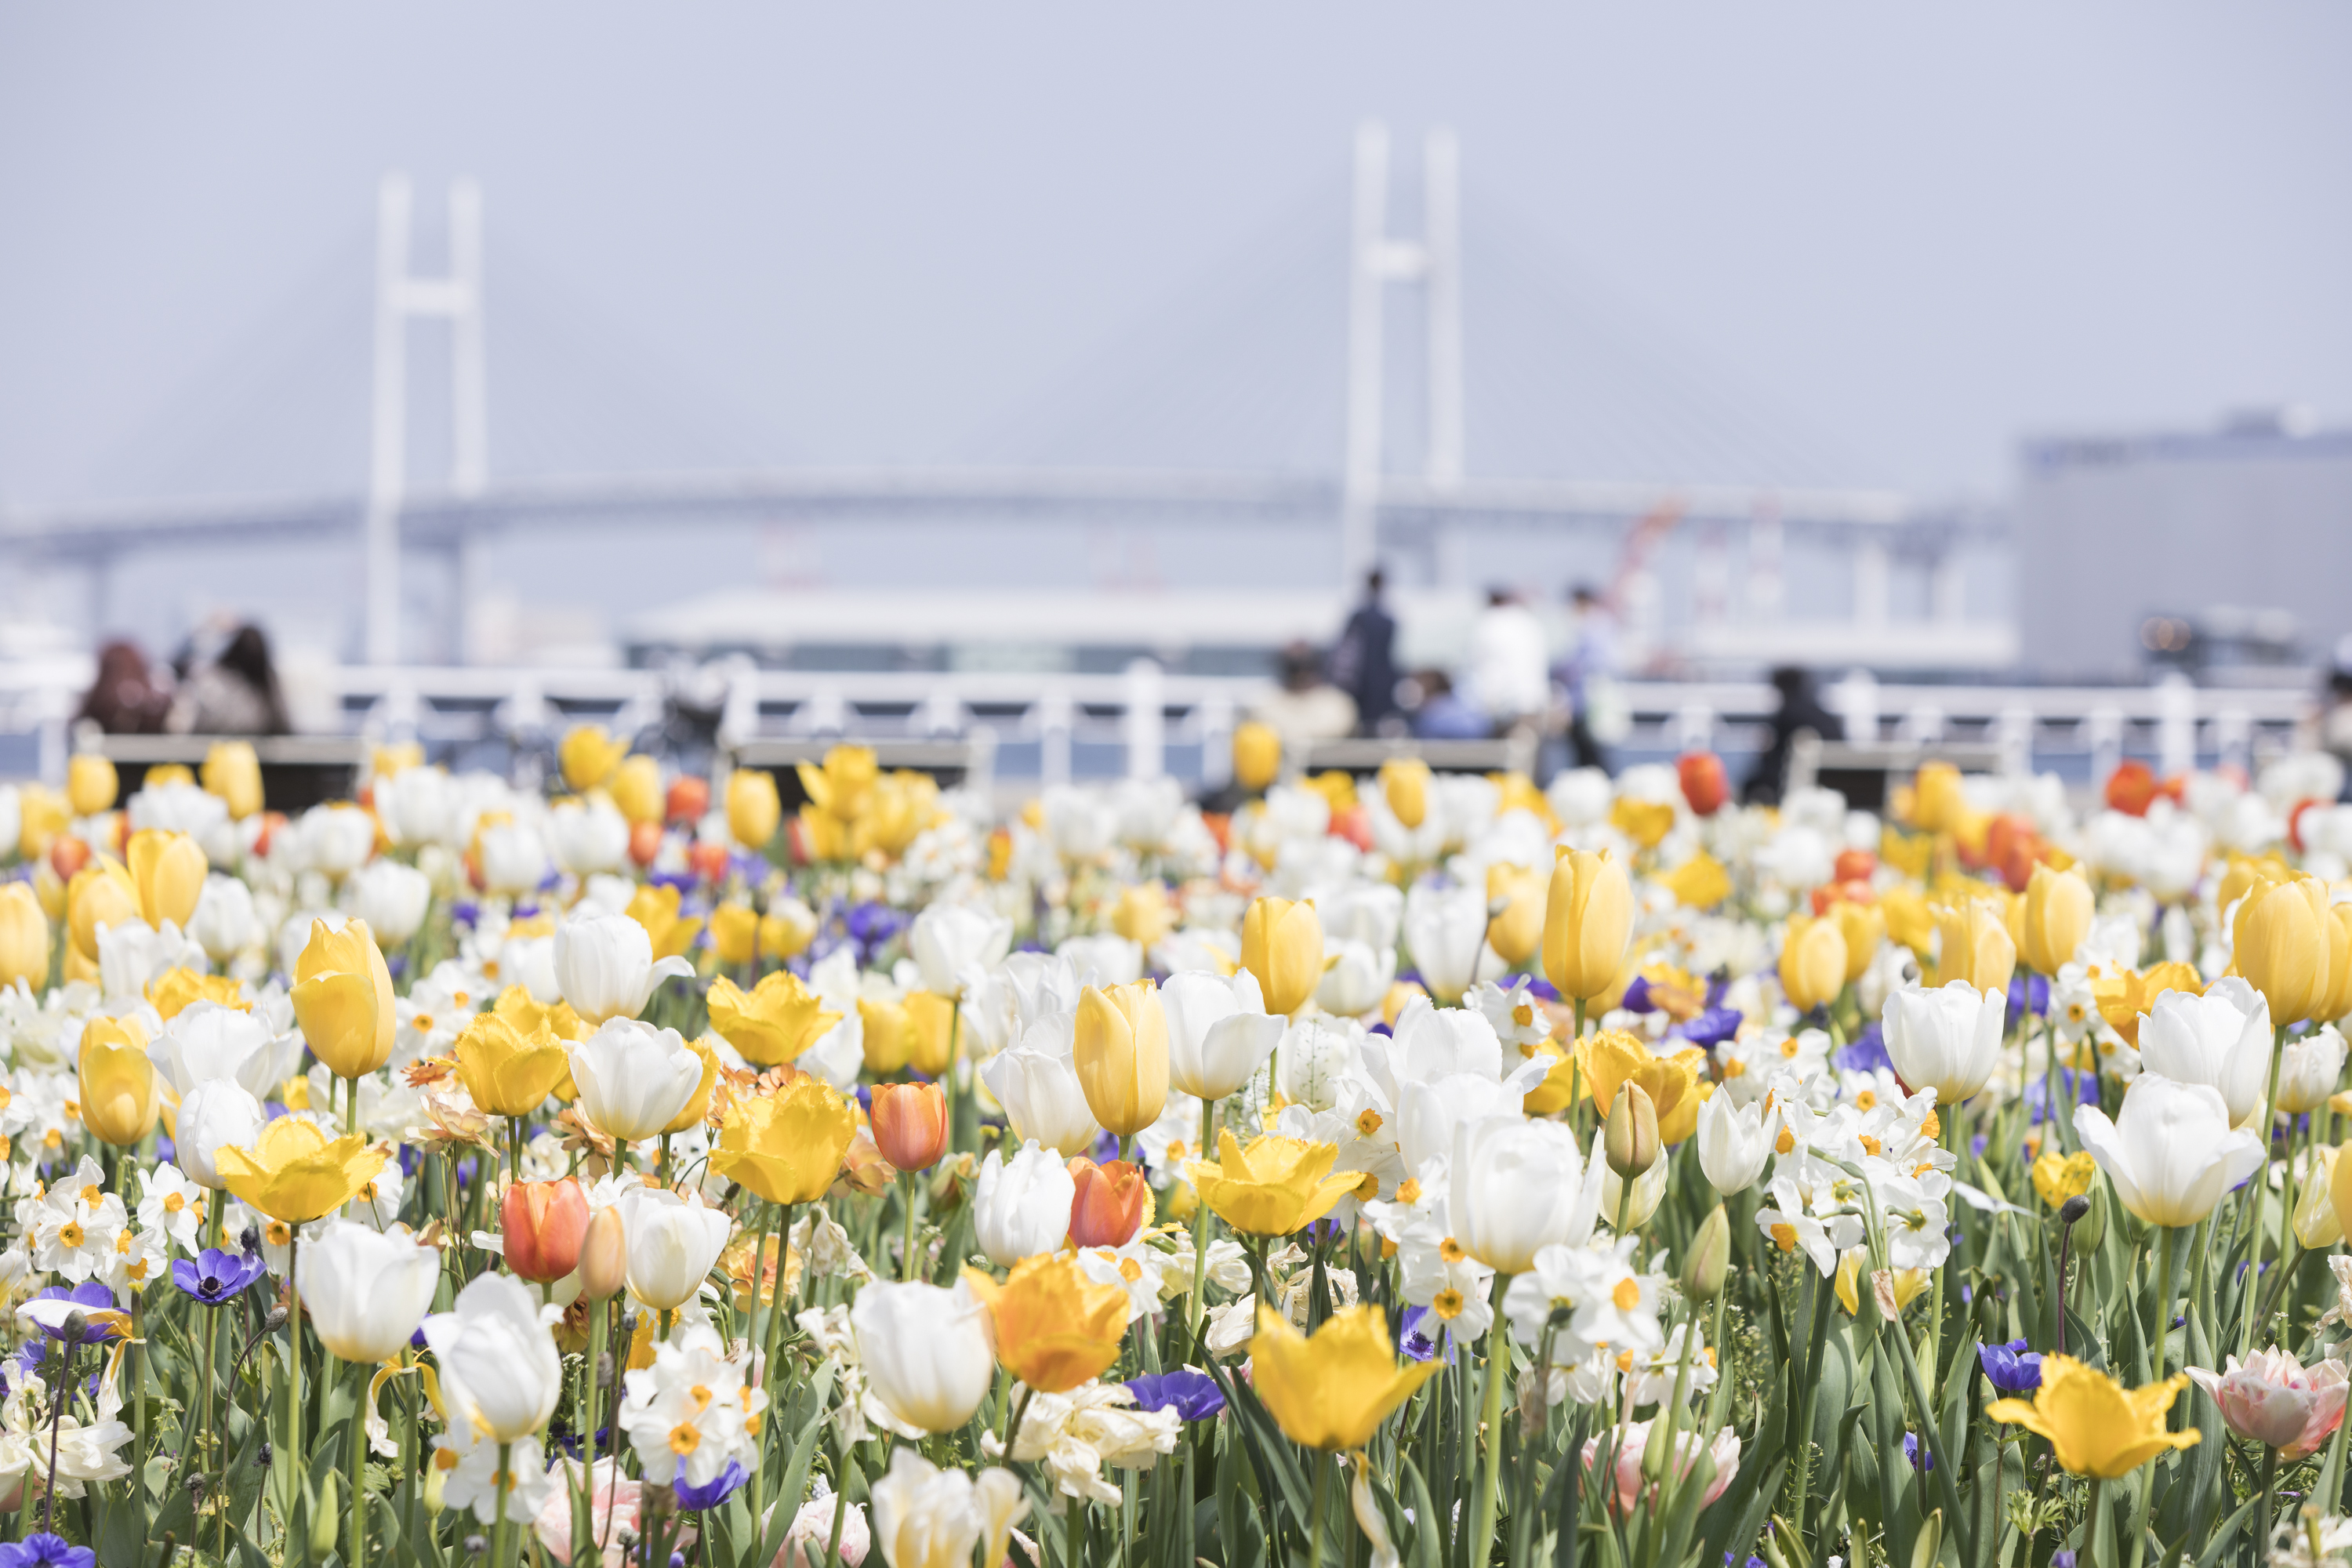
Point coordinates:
[(1036, 392)]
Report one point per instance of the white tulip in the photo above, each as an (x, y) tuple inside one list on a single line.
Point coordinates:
[(513, 859), (634, 1078), (336, 839), (209, 1040), (2172, 1152), (1042, 1099), (604, 965), (1515, 1187), (214, 1114), (1368, 913), (366, 1291), (1218, 1033), (2309, 1070), (1104, 957), (1355, 977), (392, 897), (1733, 1144), (926, 1351), (2221, 1038), (132, 955), (1021, 1206), (501, 1373), (1428, 1111), (588, 836), (673, 1242), (1431, 1042), (1079, 824), (417, 805), (223, 921), (1947, 1039), (954, 946), (925, 1517), (1316, 1054), (1446, 931), (1649, 1190)]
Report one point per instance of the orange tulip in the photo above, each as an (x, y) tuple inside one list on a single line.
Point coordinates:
[(1110, 1203), (910, 1124), (543, 1225)]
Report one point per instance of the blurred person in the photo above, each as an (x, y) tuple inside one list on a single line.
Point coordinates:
[(235, 693), (129, 697), (1363, 661), (1305, 706), (1440, 713), (2336, 719), (1591, 658), (1508, 678), (1800, 709)]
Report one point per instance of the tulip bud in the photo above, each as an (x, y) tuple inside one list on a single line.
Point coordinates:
[(1977, 947), (1258, 756), (754, 808), (1587, 919), (1404, 784), (2058, 910), (2091, 1228), (543, 1225), (326, 1516), (1631, 1140), (233, 772), (1282, 945), (1709, 1258), (910, 1124), (1812, 963), (90, 783), (343, 1000), (1120, 1052), (604, 1258), (1110, 1203), (2282, 945), (589, 754), (636, 787)]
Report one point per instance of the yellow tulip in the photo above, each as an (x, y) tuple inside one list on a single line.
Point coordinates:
[(636, 787), (1274, 1186), (754, 808), (1864, 927), (100, 894), (826, 837), (931, 1032), (888, 1044), (2338, 1000), (24, 938), (2057, 1177), (42, 815), (174, 990), (1588, 918), (1909, 921), (1332, 1391), (785, 1147), (90, 783), (2339, 1183), (1977, 947), (344, 1000), (775, 1020), (2238, 878), (1282, 944), (1055, 1328), (1518, 931), (1938, 804), (2123, 996), (1142, 915), (2318, 1223), (1122, 1056), (1258, 756), (2282, 945), (786, 932), (1904, 1284), (1645, 822), (168, 868), (1813, 961), (1676, 1085), (654, 907), (232, 772), (1564, 1077), (509, 1071), (1699, 882), (117, 1090), (1404, 784), (696, 1109), (589, 754), (2058, 910), (164, 773), (294, 1174), (839, 787), (735, 934), (1337, 789), (2098, 1426)]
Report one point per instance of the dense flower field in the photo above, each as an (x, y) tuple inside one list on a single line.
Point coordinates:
[(1421, 1169)]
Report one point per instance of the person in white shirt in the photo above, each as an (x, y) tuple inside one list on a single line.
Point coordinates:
[(1510, 679)]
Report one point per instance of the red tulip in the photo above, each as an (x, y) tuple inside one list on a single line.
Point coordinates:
[(645, 842), (542, 1225), (1703, 781), (1854, 866), (690, 799), (1110, 1203)]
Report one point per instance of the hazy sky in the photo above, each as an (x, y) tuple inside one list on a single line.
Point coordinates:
[(1831, 241)]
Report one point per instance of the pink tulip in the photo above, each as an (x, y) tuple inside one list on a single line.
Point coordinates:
[(1633, 1440), (2274, 1399), (804, 1543), (614, 1501)]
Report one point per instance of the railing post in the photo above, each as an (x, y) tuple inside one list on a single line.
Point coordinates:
[(2013, 733), (1145, 721), (2175, 724), (1694, 727), (1216, 724), (1053, 720), (2106, 729)]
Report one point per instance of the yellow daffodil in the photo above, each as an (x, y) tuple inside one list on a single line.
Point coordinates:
[(1282, 944), (2057, 1177), (176, 989), (1645, 822), (775, 1020), (1332, 1391), (1699, 882), (1274, 1186), (117, 1086), (1055, 1328), (837, 787), (508, 1070), (1676, 1084), (1587, 916), (2098, 1426), (292, 1173), (1121, 1055), (654, 907), (344, 1000), (589, 754), (787, 1147)]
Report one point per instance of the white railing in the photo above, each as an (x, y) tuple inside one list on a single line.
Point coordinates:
[(1182, 724)]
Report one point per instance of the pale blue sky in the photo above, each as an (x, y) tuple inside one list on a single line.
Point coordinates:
[(1828, 241)]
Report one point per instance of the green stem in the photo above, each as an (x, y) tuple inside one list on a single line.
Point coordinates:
[(2262, 1189), (2095, 1520), (2159, 1341), (1316, 1508), (1200, 1227), (355, 1465), (907, 1192), (499, 1528), (1498, 1363)]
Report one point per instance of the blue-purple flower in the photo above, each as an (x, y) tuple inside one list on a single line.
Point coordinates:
[(46, 1551), (216, 1277), (1191, 1394), (90, 1299), (711, 1493), (2011, 1368)]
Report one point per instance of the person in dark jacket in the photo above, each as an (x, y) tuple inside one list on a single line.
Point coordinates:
[(1800, 709), (1363, 662), (128, 697)]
